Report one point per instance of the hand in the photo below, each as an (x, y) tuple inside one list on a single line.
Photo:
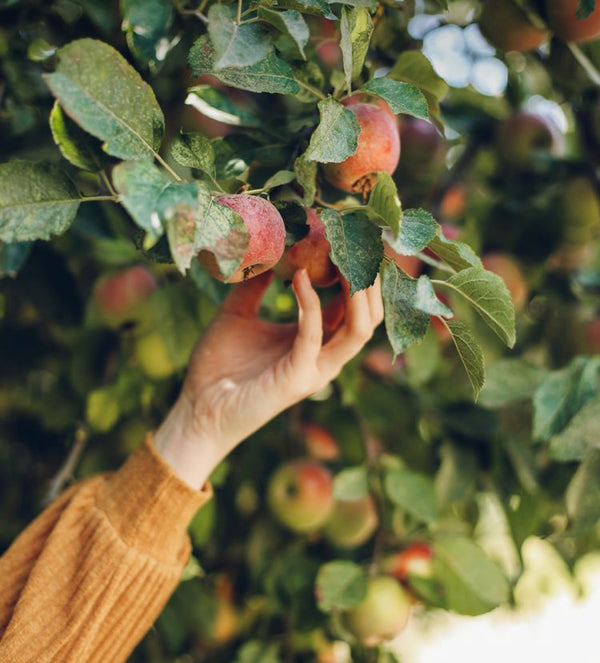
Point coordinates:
[(245, 370)]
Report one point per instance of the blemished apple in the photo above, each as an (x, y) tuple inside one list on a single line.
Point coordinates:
[(320, 443), (415, 560), (352, 522), (382, 614), (507, 28), (300, 494), (311, 253), (562, 18), (507, 268), (524, 137), (266, 238), (378, 151), (118, 297), (153, 357)]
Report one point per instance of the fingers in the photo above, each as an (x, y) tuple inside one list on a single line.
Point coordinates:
[(309, 338), (245, 298), (375, 302)]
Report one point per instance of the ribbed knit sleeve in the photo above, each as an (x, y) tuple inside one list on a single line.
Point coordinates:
[(86, 580)]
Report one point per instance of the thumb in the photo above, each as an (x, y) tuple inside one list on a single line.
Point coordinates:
[(245, 298)]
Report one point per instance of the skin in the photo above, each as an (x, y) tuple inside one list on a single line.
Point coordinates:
[(507, 27), (244, 371), (563, 20)]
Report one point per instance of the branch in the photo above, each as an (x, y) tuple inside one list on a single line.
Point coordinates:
[(65, 473)]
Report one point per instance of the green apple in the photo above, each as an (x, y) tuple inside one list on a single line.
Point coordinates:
[(352, 522), (153, 356)]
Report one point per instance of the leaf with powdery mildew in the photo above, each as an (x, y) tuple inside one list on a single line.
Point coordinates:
[(470, 353), (457, 254), (194, 151), (356, 28), (385, 203), (426, 300), (336, 137), (417, 229), (400, 97)]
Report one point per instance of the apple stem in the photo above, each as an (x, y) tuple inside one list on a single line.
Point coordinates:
[(168, 168), (107, 183), (91, 199), (585, 62), (311, 89)]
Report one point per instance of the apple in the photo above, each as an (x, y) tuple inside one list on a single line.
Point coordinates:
[(410, 265), (382, 614), (365, 98), (507, 268), (266, 243), (226, 621), (380, 362), (581, 211), (352, 522), (423, 150), (312, 253), (523, 137), (300, 495), (326, 38), (152, 355), (507, 28), (562, 18), (378, 151), (591, 337), (319, 442), (416, 560), (118, 297), (453, 203)]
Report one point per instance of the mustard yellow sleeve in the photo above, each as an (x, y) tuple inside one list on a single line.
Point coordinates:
[(86, 580)]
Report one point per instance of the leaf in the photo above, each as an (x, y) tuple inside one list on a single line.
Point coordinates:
[(36, 201), (457, 254), (147, 24), (306, 176), (311, 7), (235, 44), (400, 97), (194, 151), (217, 105), (356, 247), (13, 257), (279, 179), (412, 66), (426, 299), (583, 492), (585, 8), (417, 229), (99, 90), (470, 353), (256, 651), (340, 585), (412, 492), (76, 146), (472, 584), (371, 5), (385, 202), (509, 381), (351, 484), (356, 28), (336, 137), (489, 296), (290, 23), (404, 323), (580, 436), (271, 74)]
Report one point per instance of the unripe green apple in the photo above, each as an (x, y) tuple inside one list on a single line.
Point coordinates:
[(352, 522), (524, 137), (507, 28), (266, 238), (153, 356), (507, 268), (562, 18), (320, 443), (581, 211), (300, 495), (382, 614)]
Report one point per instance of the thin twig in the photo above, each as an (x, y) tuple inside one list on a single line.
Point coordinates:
[(91, 199), (435, 263), (312, 90), (108, 184), (585, 62), (65, 473), (239, 12), (168, 168)]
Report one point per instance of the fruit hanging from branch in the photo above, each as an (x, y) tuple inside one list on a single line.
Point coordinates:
[(562, 18), (507, 27)]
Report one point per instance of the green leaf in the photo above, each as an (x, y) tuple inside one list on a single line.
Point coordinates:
[(583, 492), (271, 74), (581, 434), (472, 584), (340, 585), (356, 247), (356, 28), (147, 24), (279, 179), (351, 484), (509, 381), (76, 146), (311, 7), (457, 254), (585, 8), (290, 23), (216, 104), (470, 353), (426, 299), (412, 492), (235, 44), (417, 229), (404, 323), (256, 651), (400, 97), (100, 90), (194, 151), (385, 202), (336, 137), (13, 257), (489, 296), (306, 176), (36, 201), (371, 5), (412, 66)]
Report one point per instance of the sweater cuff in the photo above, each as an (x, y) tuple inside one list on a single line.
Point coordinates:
[(150, 506)]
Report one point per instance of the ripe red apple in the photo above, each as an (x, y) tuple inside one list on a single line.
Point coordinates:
[(382, 614), (453, 203), (423, 150), (365, 98), (326, 38), (153, 356), (416, 560), (319, 442), (562, 18), (352, 522), (267, 238), (507, 28), (118, 297), (378, 151), (523, 137), (300, 495), (507, 268), (312, 253)]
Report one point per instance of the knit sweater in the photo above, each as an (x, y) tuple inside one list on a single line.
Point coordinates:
[(86, 580)]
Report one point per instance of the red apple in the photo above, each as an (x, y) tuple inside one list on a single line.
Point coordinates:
[(423, 150), (312, 253), (507, 268), (453, 203), (319, 442), (352, 522), (267, 238), (378, 151), (507, 28), (523, 137), (562, 18), (300, 495), (326, 38), (416, 560)]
